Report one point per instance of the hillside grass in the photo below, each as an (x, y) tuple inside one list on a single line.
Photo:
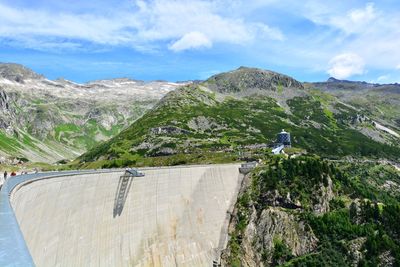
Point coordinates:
[(240, 122)]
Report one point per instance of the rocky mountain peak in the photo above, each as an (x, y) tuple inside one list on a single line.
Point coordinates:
[(17, 72), (332, 80), (244, 79)]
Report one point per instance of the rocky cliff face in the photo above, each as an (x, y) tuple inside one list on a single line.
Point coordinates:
[(275, 227), (7, 111), (267, 226), (311, 212), (44, 120)]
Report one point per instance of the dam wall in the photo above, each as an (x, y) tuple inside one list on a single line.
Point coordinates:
[(175, 216)]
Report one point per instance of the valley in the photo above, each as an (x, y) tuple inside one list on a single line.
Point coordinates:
[(49, 121)]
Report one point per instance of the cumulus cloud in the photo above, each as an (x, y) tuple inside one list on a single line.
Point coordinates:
[(191, 40), (345, 65)]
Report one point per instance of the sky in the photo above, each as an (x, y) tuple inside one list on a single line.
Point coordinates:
[(177, 40)]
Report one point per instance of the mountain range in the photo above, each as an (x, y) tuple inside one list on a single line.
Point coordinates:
[(234, 113), (47, 121)]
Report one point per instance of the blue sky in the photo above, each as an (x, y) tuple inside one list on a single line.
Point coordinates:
[(184, 40)]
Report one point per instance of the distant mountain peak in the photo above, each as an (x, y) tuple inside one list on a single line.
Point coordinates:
[(245, 79), (17, 72), (332, 80)]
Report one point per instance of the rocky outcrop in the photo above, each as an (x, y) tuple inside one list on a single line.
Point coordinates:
[(391, 187), (161, 151), (264, 231), (275, 199), (7, 112), (17, 73), (275, 225), (168, 130), (386, 259), (355, 250), (202, 124), (4, 101), (323, 195)]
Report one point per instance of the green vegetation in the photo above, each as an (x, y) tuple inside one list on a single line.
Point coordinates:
[(8, 143), (367, 180), (363, 217), (233, 124), (300, 176), (84, 136), (338, 228)]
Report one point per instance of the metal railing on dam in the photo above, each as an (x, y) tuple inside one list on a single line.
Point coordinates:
[(13, 249)]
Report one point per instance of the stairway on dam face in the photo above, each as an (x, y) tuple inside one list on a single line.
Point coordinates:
[(170, 217)]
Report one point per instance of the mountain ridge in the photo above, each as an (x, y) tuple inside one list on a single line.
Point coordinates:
[(95, 108), (195, 119)]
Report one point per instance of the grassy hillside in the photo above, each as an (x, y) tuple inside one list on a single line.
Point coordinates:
[(195, 123), (381, 101)]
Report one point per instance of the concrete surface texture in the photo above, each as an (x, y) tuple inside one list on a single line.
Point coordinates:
[(170, 217)]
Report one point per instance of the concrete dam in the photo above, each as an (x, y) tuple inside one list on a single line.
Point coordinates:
[(173, 216)]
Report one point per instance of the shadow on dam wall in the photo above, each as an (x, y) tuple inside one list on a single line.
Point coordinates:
[(121, 194)]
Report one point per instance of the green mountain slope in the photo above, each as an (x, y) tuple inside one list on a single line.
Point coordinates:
[(381, 101), (237, 112)]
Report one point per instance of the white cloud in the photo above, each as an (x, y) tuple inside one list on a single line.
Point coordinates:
[(398, 67), (357, 20), (268, 32), (43, 28), (352, 21), (191, 40), (345, 65), (369, 29), (146, 23), (363, 15)]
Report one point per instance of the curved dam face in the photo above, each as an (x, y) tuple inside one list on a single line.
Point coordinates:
[(170, 217)]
